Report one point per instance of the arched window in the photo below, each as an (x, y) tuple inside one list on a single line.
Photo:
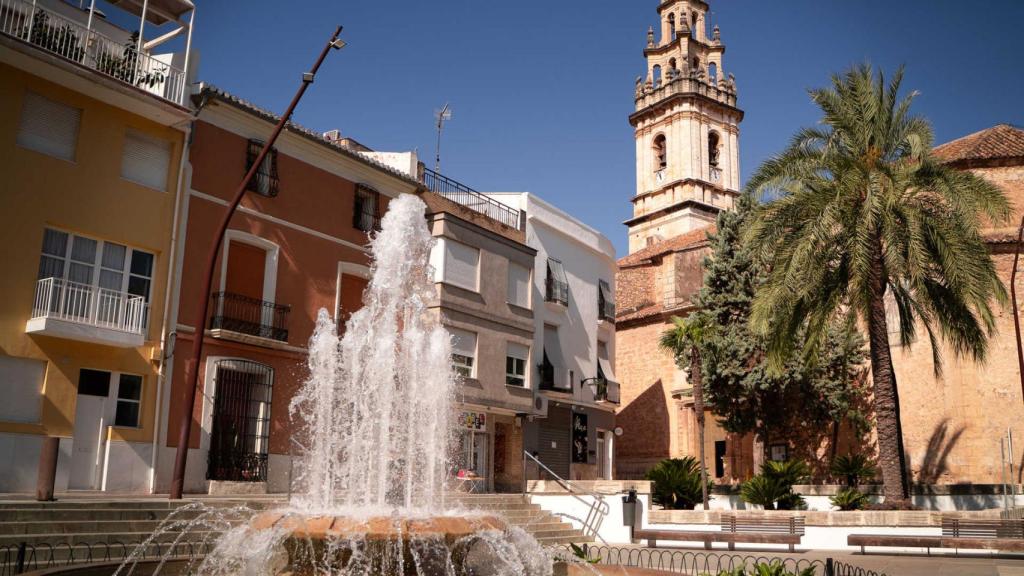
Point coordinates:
[(672, 26), (713, 72), (657, 75), (696, 64), (660, 153), (713, 144)]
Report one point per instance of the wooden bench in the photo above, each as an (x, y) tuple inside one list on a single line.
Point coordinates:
[(957, 533), (754, 530)]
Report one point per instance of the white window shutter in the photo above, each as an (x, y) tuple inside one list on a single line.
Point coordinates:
[(460, 265), (49, 127), (463, 342), (518, 351), (518, 285), (145, 160)]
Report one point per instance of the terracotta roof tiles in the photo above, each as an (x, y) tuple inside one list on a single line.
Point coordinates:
[(997, 143)]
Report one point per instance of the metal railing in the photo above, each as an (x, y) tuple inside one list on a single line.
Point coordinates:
[(245, 315), (27, 21), (23, 557), (83, 304), (466, 196), (691, 562), (597, 508)]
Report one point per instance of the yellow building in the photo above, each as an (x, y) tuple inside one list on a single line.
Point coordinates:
[(92, 132)]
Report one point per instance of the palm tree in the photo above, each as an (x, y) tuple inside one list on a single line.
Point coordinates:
[(683, 340), (864, 213)]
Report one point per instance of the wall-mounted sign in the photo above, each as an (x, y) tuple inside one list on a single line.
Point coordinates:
[(476, 421), (579, 438)]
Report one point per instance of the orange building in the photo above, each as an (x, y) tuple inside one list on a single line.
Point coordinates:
[(296, 245)]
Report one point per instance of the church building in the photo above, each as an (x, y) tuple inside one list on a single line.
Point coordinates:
[(686, 126)]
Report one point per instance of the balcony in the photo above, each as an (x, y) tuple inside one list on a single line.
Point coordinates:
[(605, 307), (82, 44), (556, 291), (88, 314), (607, 391), (245, 319), (466, 196)]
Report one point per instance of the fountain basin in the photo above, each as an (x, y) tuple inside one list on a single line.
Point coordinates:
[(376, 528)]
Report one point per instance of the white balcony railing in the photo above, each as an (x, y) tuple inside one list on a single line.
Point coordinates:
[(76, 42), (59, 299)]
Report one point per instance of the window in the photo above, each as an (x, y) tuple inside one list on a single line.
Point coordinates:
[(264, 182), (463, 351), (657, 76), (552, 370), (22, 383), (713, 73), (365, 216), (518, 285), (129, 399), (672, 26), (605, 302), (145, 160), (93, 382), (461, 264), (713, 142), (515, 364), (608, 385), (49, 127), (557, 285), (660, 153), (93, 264)]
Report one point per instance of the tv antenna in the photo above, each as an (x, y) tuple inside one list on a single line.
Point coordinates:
[(442, 115)]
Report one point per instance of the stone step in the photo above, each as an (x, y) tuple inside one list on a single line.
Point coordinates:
[(97, 538), (132, 504), (77, 515), (562, 540), (95, 526), (546, 526)]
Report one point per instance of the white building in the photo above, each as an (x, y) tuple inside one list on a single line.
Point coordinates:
[(574, 342)]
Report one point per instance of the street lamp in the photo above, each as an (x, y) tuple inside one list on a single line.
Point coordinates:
[(598, 386), (192, 364)]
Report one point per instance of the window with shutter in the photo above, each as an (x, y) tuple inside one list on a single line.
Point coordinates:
[(145, 160), (49, 127), (460, 265), (463, 351), (515, 364), (518, 285), (557, 284), (264, 182)]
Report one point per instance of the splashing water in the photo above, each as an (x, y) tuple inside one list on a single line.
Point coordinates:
[(377, 408)]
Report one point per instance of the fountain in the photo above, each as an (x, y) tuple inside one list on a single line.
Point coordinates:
[(376, 417)]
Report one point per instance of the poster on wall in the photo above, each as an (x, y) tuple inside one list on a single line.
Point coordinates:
[(475, 421), (579, 438)]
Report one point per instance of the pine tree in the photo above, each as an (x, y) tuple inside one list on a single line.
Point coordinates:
[(810, 396)]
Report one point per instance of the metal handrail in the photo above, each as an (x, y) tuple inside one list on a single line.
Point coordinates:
[(567, 484), (461, 194)]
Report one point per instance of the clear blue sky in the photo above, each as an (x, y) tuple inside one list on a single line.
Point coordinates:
[(541, 89)]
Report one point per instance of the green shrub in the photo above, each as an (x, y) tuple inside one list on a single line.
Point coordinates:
[(853, 469), (773, 568), (773, 487), (849, 499), (677, 483)]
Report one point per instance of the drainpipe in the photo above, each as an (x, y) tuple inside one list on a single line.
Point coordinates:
[(166, 357)]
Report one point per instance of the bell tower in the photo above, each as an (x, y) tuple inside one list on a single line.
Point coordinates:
[(686, 127)]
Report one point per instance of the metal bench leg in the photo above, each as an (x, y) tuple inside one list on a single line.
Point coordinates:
[(652, 543), (792, 547), (732, 545), (707, 544)]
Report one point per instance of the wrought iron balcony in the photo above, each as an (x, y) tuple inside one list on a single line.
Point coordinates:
[(245, 315), (87, 313), (556, 291), (466, 196), (64, 37), (607, 392)]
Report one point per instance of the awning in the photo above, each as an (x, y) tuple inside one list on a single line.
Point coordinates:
[(158, 12), (606, 291), (557, 271), (606, 370)]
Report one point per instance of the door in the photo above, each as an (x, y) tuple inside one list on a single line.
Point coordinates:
[(90, 416), (719, 458), (240, 435), (554, 438), (604, 455), (245, 270)]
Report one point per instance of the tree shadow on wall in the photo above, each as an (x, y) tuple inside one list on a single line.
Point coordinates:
[(936, 457)]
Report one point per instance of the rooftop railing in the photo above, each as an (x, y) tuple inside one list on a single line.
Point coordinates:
[(461, 194), (76, 42)]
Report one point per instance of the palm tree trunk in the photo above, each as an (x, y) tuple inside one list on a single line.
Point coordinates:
[(886, 408), (698, 407)]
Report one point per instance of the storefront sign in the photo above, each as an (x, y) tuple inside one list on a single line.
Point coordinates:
[(476, 421), (579, 438)]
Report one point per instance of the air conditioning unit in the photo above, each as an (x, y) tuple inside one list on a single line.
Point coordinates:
[(540, 406), (332, 135)]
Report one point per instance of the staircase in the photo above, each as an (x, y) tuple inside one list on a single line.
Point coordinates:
[(517, 509), (83, 530)]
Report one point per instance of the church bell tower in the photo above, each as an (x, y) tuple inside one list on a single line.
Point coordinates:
[(686, 127)]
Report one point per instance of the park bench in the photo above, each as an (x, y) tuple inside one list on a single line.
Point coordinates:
[(750, 530), (957, 533)]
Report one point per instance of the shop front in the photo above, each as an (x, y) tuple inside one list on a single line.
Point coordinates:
[(488, 452), (573, 442)]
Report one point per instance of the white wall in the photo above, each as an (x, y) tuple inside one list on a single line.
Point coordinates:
[(599, 518), (19, 454), (127, 466)]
